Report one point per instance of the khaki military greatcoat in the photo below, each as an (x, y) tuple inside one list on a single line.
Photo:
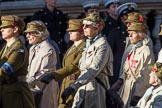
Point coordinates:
[(14, 90)]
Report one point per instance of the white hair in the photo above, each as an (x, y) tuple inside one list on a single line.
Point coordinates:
[(43, 33)]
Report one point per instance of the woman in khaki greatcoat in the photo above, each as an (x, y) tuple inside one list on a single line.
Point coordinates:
[(14, 90), (70, 71)]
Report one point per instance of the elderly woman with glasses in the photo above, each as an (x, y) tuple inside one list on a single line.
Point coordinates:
[(14, 90), (42, 59), (95, 63)]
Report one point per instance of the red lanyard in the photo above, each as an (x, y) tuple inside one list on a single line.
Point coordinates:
[(129, 55)]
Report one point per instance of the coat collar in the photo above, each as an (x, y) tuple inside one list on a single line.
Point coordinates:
[(93, 47), (156, 90), (89, 42)]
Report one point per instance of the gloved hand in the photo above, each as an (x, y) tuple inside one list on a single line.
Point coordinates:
[(47, 77), (67, 92), (134, 100), (117, 85)]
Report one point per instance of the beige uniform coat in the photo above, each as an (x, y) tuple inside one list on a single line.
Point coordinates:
[(153, 100), (96, 61), (136, 72), (14, 90), (42, 58)]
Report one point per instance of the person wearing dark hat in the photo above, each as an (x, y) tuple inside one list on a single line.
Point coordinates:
[(111, 20), (70, 71), (126, 8), (96, 61), (91, 6), (135, 71), (123, 11), (118, 39), (153, 95), (55, 21), (14, 90)]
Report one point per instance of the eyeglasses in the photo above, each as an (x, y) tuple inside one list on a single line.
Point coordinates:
[(86, 25), (30, 33)]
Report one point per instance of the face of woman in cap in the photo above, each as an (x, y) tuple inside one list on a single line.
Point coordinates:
[(134, 36), (7, 32), (90, 31), (75, 35), (33, 38), (153, 79)]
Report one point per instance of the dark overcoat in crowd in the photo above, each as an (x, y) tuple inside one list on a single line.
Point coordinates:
[(110, 24), (117, 41)]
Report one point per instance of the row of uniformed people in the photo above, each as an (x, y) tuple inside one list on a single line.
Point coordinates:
[(115, 28), (135, 73), (123, 10), (42, 59), (96, 61), (38, 32)]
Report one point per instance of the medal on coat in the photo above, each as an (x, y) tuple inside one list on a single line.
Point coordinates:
[(133, 63)]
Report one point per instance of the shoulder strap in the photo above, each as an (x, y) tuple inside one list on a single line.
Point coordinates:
[(20, 50), (79, 49)]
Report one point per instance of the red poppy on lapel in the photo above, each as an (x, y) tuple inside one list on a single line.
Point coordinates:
[(89, 52)]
